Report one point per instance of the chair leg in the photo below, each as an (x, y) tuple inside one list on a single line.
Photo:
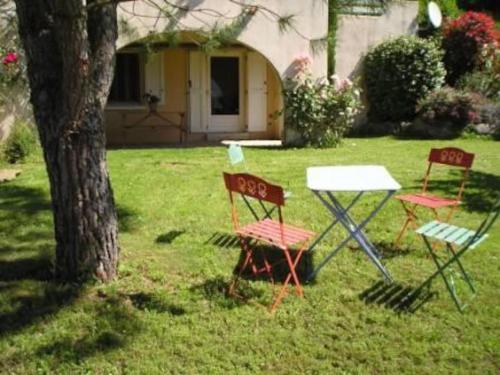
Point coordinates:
[(411, 218), (462, 269), (248, 260), (292, 275), (441, 270)]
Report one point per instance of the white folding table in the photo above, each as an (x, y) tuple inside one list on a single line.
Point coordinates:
[(328, 182)]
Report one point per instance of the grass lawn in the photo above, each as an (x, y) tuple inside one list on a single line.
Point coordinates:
[(168, 312)]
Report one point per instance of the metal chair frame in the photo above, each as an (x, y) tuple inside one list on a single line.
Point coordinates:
[(454, 236), (236, 156), (449, 156), (273, 232)]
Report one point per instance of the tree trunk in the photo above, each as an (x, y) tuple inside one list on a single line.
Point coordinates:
[(70, 49)]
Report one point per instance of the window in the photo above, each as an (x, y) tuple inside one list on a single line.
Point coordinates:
[(126, 87), (225, 88)]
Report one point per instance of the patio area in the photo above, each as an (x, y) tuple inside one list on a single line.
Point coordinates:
[(169, 311)]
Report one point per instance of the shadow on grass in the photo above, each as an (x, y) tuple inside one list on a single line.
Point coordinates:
[(24, 306), (34, 268), (28, 293), (127, 218), (223, 240), (396, 297), (169, 237), (115, 325), (388, 250), (216, 291), (481, 189), (275, 257), (154, 302)]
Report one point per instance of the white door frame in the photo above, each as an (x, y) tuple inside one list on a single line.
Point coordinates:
[(227, 123)]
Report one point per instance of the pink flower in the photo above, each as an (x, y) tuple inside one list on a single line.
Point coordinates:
[(10, 58), (341, 83), (302, 63)]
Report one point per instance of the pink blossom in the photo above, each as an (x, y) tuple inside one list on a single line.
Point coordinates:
[(340, 83), (302, 63), (10, 58)]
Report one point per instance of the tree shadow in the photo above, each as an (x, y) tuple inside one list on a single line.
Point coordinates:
[(25, 306), (115, 324), (481, 189), (396, 297), (38, 268), (127, 218), (28, 291)]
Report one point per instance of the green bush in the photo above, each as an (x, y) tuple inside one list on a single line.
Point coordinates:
[(485, 81), (463, 41), (398, 73), (449, 107), (21, 143), (321, 112)]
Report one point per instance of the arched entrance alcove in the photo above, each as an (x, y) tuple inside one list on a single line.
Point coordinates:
[(234, 92)]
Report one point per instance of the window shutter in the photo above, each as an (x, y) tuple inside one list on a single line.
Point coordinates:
[(154, 76), (197, 87), (257, 93)]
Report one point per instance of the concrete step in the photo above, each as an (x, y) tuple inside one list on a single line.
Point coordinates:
[(211, 137)]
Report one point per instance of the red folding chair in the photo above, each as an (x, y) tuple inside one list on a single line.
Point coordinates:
[(272, 232), (449, 156)]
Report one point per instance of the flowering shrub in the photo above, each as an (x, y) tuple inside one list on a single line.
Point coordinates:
[(320, 111), (451, 107), (463, 39), (301, 64), (398, 73), (10, 69), (485, 81)]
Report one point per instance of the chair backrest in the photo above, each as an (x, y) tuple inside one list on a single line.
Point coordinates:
[(255, 187), (453, 157), (235, 153)]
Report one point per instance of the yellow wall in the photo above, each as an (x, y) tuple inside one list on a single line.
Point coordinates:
[(175, 86), (274, 103), (153, 130)]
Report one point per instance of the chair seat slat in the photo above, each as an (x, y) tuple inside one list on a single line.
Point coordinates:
[(424, 228), (478, 241), (447, 232), (269, 230), (437, 229), (464, 238), (456, 235)]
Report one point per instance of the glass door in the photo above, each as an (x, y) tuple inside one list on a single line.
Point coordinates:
[(225, 93)]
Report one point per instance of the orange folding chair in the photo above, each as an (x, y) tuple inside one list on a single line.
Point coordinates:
[(449, 156), (272, 232)]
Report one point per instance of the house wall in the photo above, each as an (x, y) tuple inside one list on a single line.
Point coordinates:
[(176, 93), (356, 34), (262, 32)]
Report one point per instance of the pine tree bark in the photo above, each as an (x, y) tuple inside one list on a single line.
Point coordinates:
[(70, 49)]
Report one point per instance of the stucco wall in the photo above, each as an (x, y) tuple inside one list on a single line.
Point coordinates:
[(262, 32), (356, 34), (175, 83)]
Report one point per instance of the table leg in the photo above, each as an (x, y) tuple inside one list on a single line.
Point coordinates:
[(354, 230), (330, 227)]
